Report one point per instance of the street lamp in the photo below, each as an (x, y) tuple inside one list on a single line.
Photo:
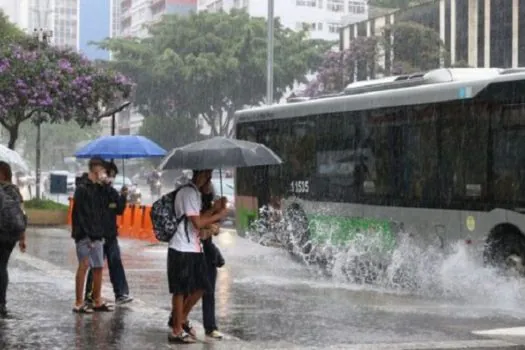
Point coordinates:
[(269, 78), (112, 112), (42, 36)]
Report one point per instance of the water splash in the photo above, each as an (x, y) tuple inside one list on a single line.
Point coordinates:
[(455, 272)]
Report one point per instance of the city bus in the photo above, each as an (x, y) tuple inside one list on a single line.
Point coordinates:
[(439, 156)]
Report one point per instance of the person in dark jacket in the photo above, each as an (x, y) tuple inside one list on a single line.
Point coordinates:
[(88, 232), (7, 246), (115, 203), (214, 260)]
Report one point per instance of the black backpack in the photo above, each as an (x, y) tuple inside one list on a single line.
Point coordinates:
[(163, 217), (12, 217)]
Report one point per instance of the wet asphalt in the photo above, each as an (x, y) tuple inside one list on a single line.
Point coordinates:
[(265, 300)]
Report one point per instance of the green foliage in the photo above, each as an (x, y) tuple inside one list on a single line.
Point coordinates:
[(210, 64), (44, 204), (58, 140), (416, 47), (171, 131), (398, 4), (8, 31)]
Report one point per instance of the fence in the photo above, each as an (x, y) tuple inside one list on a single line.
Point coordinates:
[(134, 223)]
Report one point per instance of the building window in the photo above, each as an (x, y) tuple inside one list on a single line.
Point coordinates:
[(334, 27), (356, 7), (335, 5), (308, 3)]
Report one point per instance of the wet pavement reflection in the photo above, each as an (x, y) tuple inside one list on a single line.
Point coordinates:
[(264, 300)]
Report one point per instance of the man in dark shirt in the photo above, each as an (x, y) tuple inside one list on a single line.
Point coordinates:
[(88, 233), (115, 204)]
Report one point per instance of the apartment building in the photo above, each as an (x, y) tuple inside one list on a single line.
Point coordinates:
[(481, 33), (60, 16)]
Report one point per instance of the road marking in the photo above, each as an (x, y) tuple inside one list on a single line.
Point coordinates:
[(461, 344), (62, 273), (514, 331)]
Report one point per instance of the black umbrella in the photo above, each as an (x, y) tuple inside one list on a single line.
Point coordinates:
[(218, 153)]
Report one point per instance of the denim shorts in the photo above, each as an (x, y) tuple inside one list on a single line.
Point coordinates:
[(92, 249)]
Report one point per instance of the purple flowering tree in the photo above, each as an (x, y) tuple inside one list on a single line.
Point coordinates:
[(52, 85), (340, 68)]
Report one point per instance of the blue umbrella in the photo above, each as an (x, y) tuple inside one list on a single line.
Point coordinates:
[(121, 147)]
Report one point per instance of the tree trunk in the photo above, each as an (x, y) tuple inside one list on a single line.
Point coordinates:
[(13, 136)]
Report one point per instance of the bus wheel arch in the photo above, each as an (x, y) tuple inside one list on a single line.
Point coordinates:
[(505, 248)]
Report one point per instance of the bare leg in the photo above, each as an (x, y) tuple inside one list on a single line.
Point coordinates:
[(97, 286), (80, 279), (190, 302), (177, 305)]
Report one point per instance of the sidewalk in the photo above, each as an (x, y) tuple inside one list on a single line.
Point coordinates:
[(41, 295)]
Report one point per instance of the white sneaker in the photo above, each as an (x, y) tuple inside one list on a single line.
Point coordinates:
[(215, 335)]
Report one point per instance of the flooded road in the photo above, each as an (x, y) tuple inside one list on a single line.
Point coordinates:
[(265, 300)]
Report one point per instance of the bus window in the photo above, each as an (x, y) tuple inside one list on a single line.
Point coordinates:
[(464, 140), (299, 155), (509, 158), (339, 164), (421, 156), (383, 143)]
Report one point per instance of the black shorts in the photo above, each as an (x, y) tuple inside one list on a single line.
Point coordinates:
[(187, 272)]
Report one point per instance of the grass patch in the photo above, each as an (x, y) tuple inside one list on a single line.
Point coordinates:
[(45, 204)]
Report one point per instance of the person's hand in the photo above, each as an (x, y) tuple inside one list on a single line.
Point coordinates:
[(219, 204), (223, 212), (22, 245)]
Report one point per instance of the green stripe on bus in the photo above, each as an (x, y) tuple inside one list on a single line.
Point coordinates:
[(341, 230)]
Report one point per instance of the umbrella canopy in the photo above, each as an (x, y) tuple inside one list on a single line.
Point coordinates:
[(14, 159), (121, 147), (219, 152)]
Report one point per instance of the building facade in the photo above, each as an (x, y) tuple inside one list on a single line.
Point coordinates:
[(323, 18), (480, 33), (95, 26), (136, 14), (59, 16)]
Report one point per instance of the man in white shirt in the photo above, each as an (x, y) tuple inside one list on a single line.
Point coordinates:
[(187, 275)]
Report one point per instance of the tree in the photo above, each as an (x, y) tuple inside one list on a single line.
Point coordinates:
[(210, 64), (48, 84), (171, 131), (59, 140), (8, 31), (398, 4), (338, 69), (416, 48)]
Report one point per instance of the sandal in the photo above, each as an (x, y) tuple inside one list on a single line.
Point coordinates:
[(103, 308), (82, 309), (182, 338), (188, 328)]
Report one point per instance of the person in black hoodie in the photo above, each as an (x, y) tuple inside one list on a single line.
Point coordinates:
[(214, 260), (88, 232), (115, 204)]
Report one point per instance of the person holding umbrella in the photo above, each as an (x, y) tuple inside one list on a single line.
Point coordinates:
[(187, 270)]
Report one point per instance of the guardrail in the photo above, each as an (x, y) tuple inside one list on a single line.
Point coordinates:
[(134, 223)]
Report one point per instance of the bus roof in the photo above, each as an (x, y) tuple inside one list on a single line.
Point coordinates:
[(439, 85)]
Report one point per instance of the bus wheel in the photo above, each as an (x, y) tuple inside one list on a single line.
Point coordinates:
[(505, 249), (298, 235)]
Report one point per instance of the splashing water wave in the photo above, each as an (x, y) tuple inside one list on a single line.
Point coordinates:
[(455, 272)]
